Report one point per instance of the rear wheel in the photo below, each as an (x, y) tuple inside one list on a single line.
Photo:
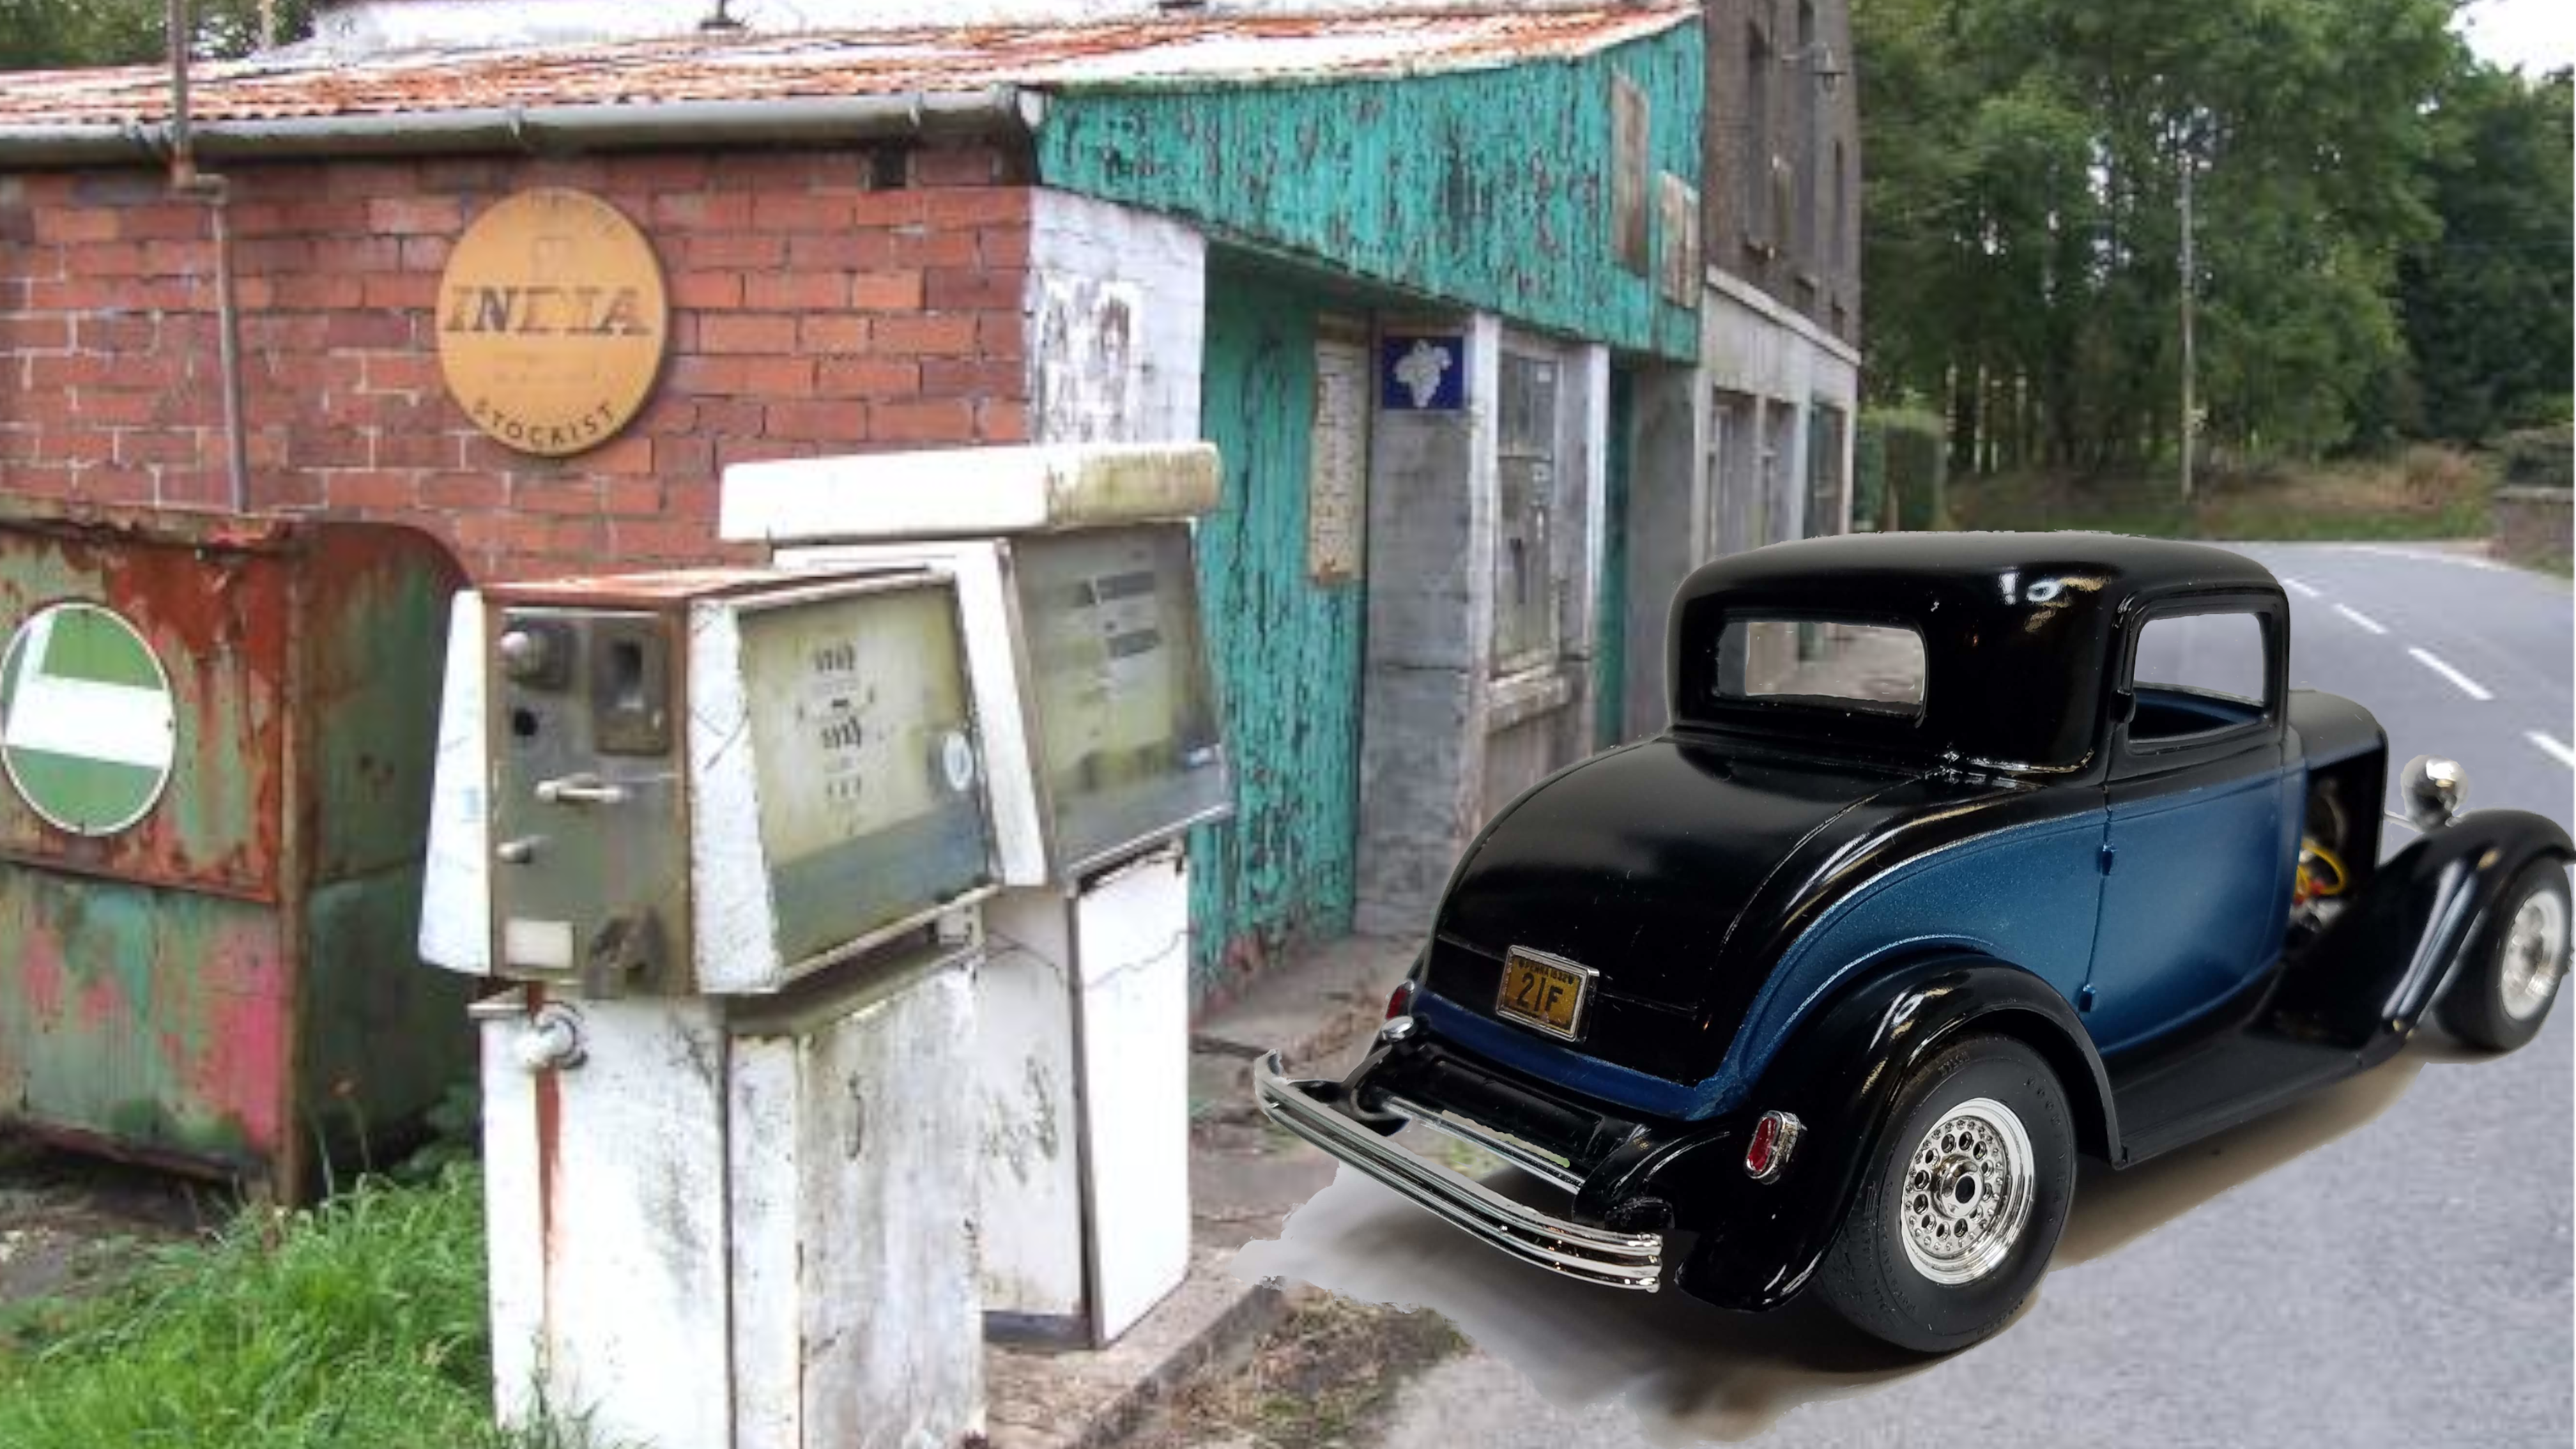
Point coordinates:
[(1963, 1203), (2512, 973)]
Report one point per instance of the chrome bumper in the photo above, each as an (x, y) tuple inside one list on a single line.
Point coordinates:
[(1595, 1255)]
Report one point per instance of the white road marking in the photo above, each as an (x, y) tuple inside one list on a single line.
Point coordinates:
[(2300, 589), (2552, 748), (2358, 617), (2427, 555), (2468, 686)]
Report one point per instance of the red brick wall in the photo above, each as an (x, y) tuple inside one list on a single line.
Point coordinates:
[(813, 310)]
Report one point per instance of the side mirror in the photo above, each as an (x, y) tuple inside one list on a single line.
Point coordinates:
[(2432, 788)]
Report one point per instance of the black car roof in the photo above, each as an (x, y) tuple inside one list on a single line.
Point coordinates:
[(2126, 566), (2016, 627)]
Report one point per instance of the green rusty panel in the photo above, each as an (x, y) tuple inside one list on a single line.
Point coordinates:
[(1286, 651), (213, 609), (384, 1037), (1610, 600), (374, 623), (154, 1018), (1491, 188)]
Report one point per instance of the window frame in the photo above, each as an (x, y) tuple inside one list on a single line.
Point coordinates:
[(1546, 649), (2156, 754)]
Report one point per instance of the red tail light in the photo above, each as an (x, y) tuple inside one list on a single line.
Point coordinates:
[(1766, 1152), (1400, 1001)]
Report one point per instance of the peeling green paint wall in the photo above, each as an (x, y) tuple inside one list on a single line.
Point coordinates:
[(1286, 651), (1490, 188)]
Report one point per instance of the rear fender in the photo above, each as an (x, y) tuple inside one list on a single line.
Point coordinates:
[(2370, 977), (1758, 1243)]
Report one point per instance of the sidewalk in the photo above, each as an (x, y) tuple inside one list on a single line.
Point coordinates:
[(1245, 1178)]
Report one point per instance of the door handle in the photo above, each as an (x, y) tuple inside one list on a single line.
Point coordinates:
[(580, 790)]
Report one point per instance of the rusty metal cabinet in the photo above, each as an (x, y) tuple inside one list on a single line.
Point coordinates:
[(210, 867)]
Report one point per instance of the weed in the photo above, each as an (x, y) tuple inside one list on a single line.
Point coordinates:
[(1320, 1379), (357, 1325)]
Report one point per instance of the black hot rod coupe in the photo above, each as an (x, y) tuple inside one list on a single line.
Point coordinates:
[(1963, 853)]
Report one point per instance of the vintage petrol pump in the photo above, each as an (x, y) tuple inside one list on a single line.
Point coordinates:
[(726, 832), (1101, 742)]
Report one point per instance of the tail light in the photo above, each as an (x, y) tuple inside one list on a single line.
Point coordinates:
[(1400, 1000), (1766, 1152)]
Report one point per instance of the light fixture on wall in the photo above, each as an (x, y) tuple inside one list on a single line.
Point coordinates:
[(1818, 60)]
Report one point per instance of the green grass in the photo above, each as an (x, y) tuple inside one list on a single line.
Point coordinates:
[(358, 1325), (2425, 493)]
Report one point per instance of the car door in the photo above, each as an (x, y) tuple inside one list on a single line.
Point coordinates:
[(2195, 855)]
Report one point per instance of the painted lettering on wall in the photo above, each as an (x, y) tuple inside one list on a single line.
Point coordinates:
[(552, 321)]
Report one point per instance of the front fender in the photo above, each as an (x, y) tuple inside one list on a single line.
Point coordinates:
[(1758, 1243), (2370, 977)]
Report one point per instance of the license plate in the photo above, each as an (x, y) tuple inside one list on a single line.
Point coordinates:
[(1548, 992)]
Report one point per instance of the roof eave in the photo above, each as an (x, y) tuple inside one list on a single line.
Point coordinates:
[(533, 130)]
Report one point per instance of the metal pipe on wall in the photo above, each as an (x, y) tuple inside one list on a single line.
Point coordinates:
[(186, 180)]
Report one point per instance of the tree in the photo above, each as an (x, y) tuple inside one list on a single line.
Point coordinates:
[(2026, 166), (2487, 303), (47, 34)]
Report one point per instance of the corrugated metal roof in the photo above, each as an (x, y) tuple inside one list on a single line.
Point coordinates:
[(1176, 49)]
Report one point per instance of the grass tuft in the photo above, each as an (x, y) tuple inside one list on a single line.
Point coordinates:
[(358, 1325)]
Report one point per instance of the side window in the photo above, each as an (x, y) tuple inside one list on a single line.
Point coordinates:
[(2198, 672)]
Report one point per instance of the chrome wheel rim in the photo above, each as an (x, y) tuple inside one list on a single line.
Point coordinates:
[(2535, 953), (1968, 1188)]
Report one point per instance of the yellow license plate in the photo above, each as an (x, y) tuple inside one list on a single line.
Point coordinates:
[(1546, 991)]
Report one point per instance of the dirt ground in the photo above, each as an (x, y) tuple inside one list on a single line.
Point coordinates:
[(69, 1223)]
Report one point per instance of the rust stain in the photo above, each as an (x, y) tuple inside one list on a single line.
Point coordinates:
[(952, 60), (40, 960)]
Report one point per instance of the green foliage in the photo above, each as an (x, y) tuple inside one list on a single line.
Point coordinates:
[(2027, 163), (2425, 492), (359, 1325), (2539, 457), (2487, 303), (47, 34), (1900, 466)]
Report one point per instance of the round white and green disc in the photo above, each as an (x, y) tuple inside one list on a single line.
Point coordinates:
[(87, 730)]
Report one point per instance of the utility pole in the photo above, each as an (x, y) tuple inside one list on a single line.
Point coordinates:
[(2190, 424)]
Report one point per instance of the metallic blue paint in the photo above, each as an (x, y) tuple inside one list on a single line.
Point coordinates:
[(2196, 905), (2023, 896), (1549, 1061)]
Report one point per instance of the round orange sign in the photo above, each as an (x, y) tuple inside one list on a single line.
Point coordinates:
[(552, 320)]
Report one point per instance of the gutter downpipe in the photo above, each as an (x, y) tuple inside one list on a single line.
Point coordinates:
[(187, 180)]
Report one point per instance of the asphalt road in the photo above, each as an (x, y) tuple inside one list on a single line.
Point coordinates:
[(2387, 1263)]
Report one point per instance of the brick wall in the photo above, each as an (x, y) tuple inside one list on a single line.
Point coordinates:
[(827, 301)]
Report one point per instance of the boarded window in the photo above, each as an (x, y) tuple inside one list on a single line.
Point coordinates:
[(1628, 123)]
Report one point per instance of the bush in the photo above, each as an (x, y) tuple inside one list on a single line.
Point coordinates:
[(2538, 457), (1903, 464)]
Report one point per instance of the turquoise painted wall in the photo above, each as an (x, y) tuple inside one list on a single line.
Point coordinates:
[(1490, 188), (1286, 651)]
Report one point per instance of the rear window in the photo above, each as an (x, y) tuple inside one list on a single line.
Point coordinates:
[(1874, 667)]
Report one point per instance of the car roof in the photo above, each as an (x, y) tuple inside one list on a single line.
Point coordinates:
[(2017, 631), (2125, 566)]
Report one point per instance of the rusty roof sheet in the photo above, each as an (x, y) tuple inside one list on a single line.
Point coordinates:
[(1177, 50)]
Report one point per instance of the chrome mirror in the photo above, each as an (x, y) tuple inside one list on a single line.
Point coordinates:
[(2432, 788)]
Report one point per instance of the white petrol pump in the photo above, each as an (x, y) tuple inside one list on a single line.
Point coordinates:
[(1099, 736), (725, 834)]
